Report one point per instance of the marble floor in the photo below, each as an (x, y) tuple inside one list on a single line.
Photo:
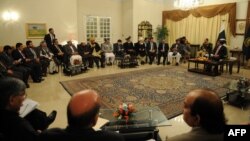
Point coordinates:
[(52, 96)]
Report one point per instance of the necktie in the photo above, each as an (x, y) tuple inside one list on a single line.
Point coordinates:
[(57, 47), (22, 54), (72, 49), (217, 51), (33, 52)]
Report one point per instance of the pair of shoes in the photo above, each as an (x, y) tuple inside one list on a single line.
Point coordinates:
[(177, 64), (51, 117), (168, 63)]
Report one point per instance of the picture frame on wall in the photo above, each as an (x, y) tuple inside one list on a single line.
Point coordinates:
[(240, 26), (35, 30)]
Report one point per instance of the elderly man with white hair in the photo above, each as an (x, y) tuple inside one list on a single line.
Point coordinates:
[(141, 50)]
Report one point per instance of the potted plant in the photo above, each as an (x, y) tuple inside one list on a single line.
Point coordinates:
[(161, 32)]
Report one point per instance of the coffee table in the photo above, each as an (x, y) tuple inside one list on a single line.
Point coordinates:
[(141, 125)]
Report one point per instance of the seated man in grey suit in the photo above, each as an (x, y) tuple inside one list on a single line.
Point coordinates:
[(71, 52), (203, 111), (82, 113)]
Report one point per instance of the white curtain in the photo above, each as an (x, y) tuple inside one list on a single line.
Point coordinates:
[(197, 29)]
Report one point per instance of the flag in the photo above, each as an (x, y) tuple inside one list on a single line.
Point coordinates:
[(246, 44), (222, 33)]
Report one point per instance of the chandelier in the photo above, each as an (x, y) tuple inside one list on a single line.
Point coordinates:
[(186, 4)]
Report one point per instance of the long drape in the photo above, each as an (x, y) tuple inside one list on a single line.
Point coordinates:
[(205, 11), (197, 29)]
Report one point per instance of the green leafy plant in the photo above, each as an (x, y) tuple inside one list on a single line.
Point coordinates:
[(161, 32)]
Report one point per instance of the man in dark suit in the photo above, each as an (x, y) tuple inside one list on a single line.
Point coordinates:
[(49, 38), (162, 51), (82, 114), (7, 59), (58, 51), (36, 71), (118, 49), (12, 126), (151, 49), (71, 50), (85, 51), (129, 47), (220, 51)]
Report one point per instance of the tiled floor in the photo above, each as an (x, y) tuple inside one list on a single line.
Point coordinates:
[(52, 96)]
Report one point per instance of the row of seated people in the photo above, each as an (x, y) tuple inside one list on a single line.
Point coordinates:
[(145, 51), (29, 61)]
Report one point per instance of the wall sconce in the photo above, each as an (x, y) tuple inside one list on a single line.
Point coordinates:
[(10, 16)]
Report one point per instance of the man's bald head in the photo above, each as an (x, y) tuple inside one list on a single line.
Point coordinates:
[(83, 108), (206, 104)]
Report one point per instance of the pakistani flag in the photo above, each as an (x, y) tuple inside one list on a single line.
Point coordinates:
[(222, 34)]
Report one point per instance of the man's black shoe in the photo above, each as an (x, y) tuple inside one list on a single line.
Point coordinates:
[(168, 63), (177, 64), (51, 117)]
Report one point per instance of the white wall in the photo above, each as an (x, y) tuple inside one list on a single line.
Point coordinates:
[(241, 12), (127, 19), (59, 14), (146, 10), (105, 8)]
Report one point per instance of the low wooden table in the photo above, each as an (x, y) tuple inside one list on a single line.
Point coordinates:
[(206, 63)]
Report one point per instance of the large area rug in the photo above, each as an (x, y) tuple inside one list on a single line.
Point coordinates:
[(162, 87)]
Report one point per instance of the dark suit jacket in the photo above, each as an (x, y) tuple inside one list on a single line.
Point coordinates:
[(117, 47), (128, 46), (17, 55), (149, 47), (222, 52), (15, 128), (48, 40), (6, 59), (161, 47), (82, 134), (140, 49), (29, 54), (55, 51), (68, 50)]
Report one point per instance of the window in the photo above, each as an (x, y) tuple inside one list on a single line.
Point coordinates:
[(98, 27)]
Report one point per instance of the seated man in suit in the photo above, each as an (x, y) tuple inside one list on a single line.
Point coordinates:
[(203, 111), (82, 114), (151, 50), (175, 51), (72, 54), (107, 48), (141, 50), (58, 52), (119, 49), (220, 51), (205, 48), (97, 53), (162, 51), (12, 126), (14, 65), (28, 61), (47, 56), (85, 51)]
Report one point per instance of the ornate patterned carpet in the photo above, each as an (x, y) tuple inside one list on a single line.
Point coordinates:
[(162, 87)]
